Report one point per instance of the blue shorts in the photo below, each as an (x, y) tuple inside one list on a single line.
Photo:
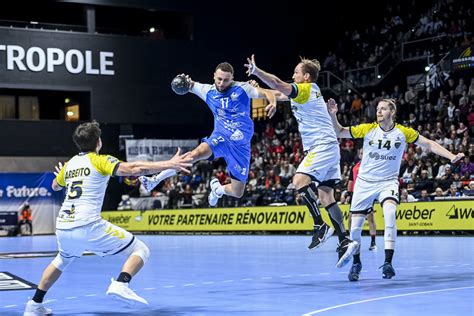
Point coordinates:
[(235, 153)]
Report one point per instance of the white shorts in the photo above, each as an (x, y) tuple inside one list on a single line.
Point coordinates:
[(101, 238), (321, 164), (366, 193)]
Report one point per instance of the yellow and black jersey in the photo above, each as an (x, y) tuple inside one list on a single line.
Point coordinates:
[(85, 177), (383, 150), (310, 111)]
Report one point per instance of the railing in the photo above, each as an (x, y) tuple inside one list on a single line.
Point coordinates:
[(424, 48), (43, 26), (374, 74), (330, 81)]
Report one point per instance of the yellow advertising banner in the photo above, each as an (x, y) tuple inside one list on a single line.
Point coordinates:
[(443, 215)]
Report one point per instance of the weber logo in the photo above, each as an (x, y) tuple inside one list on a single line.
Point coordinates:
[(10, 282)]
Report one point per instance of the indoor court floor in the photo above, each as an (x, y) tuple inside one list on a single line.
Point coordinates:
[(253, 275)]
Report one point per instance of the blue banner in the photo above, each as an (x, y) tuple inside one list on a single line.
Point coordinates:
[(32, 191)]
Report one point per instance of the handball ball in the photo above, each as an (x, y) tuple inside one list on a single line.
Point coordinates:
[(180, 85)]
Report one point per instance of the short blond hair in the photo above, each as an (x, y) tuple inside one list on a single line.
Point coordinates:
[(392, 105), (310, 66)]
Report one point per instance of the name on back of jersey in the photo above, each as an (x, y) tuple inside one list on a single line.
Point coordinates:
[(79, 172)]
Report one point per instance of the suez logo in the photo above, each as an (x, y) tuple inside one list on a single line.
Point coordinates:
[(378, 156), (37, 59)]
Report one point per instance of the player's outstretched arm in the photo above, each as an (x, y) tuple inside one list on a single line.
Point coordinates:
[(270, 109), (139, 168), (270, 80), (341, 131), (278, 95), (436, 148)]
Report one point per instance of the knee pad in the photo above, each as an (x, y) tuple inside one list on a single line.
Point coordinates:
[(61, 262), (140, 249)]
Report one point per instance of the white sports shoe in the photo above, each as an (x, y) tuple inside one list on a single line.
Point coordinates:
[(121, 291), (36, 309), (213, 196), (149, 183)]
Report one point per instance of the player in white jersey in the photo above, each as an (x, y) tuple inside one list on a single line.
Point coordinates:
[(384, 146), (321, 163), (79, 226)]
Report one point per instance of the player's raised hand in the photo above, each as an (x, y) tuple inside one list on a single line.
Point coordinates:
[(250, 65), (332, 106), (457, 158), (181, 162), (271, 110), (58, 168)]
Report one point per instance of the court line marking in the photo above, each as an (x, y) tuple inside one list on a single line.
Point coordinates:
[(384, 298)]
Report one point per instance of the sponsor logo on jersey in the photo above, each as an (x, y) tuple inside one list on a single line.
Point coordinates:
[(234, 96), (377, 156), (237, 135), (112, 159), (220, 112), (398, 144)]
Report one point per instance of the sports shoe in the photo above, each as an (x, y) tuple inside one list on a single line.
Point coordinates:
[(121, 291), (149, 183), (346, 249), (213, 196), (321, 233), (388, 271), (373, 247), (354, 272), (36, 309)]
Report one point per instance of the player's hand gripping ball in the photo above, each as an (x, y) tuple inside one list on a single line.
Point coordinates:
[(180, 84)]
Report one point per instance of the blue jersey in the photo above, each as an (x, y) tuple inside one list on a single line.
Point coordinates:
[(231, 109), (233, 126)]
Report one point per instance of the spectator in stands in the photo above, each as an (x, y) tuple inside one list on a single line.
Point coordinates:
[(469, 189), (461, 87), (453, 191), (406, 197), (25, 225), (424, 197), (423, 183), (467, 167), (410, 170), (470, 92), (439, 193), (447, 178), (187, 196), (356, 105)]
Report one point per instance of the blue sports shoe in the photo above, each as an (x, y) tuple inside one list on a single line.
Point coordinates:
[(354, 273), (388, 271)]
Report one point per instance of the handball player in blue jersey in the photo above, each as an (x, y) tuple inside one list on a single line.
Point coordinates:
[(230, 103)]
